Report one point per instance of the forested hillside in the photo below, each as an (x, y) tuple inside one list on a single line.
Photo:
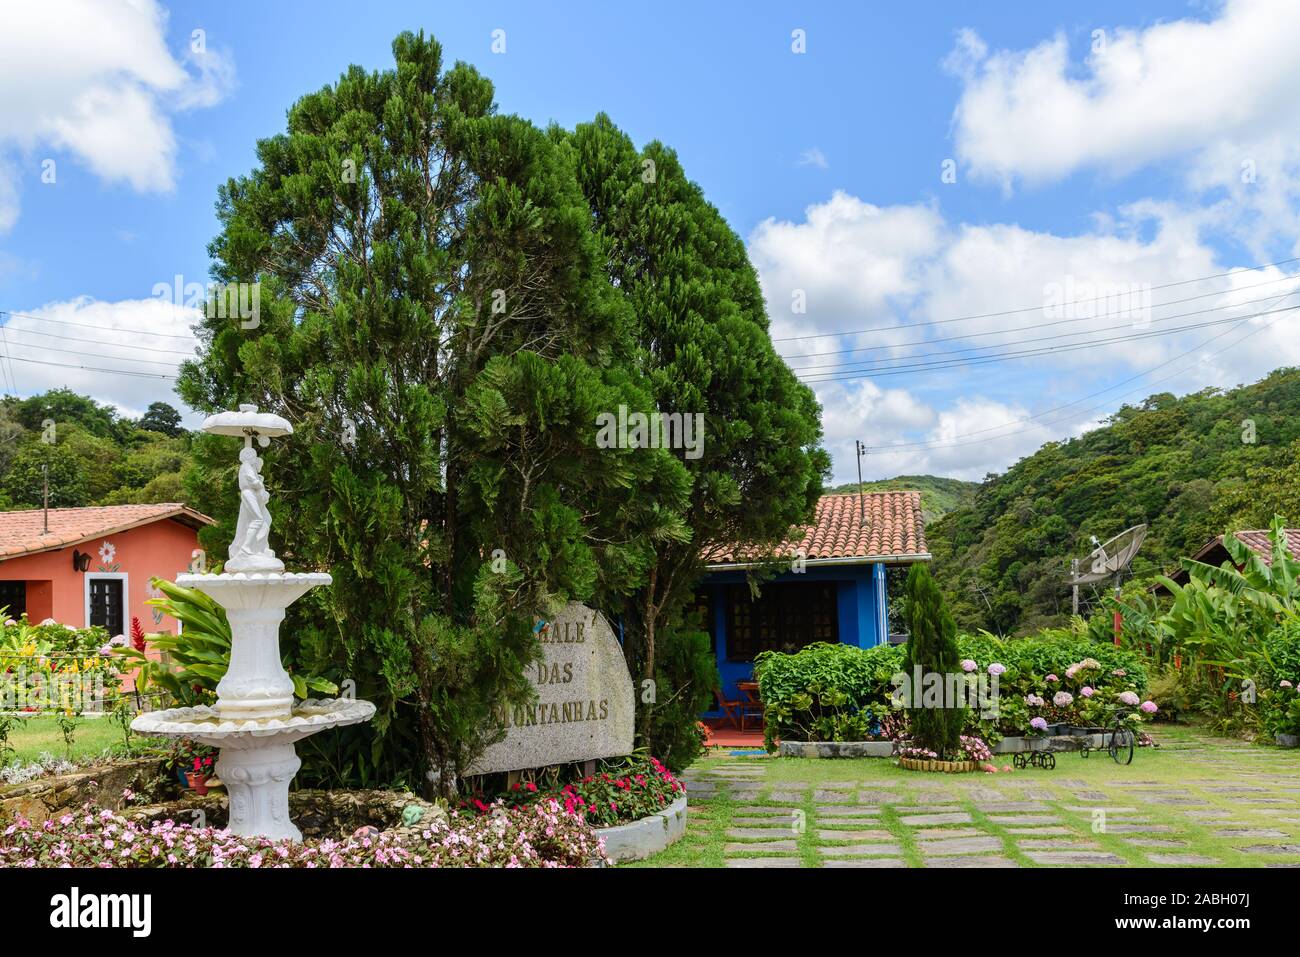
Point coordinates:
[(93, 455), (939, 495), (1190, 467)]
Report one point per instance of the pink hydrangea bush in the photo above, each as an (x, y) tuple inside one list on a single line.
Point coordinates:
[(540, 835), (975, 749)]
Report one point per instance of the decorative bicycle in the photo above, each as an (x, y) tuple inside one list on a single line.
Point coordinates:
[(1119, 741)]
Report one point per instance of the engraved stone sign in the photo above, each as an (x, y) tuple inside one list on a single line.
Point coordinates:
[(584, 710)]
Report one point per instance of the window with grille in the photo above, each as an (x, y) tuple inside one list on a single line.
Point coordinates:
[(784, 617), (106, 605), (13, 598)]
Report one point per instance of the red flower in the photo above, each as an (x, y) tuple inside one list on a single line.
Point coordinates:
[(137, 635)]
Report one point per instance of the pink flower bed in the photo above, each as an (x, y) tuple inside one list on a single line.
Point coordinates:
[(540, 835)]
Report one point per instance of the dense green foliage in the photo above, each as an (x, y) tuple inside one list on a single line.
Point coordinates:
[(1189, 467), (450, 299), (828, 692), (436, 322), (92, 455), (939, 495), (1224, 635), (701, 344)]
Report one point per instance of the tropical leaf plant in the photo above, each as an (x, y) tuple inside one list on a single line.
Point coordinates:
[(195, 660)]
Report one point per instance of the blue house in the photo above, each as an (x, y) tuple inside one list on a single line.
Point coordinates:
[(835, 588)]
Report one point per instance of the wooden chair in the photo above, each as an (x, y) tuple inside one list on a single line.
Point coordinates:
[(751, 707), (730, 709)]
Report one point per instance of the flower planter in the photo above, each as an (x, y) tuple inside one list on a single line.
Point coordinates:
[(650, 835), (931, 764), (199, 782)]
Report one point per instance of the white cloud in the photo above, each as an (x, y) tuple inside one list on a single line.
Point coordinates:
[(904, 273), (69, 344), (94, 79), (1166, 91), (850, 260)]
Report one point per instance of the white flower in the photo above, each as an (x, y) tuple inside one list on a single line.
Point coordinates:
[(107, 552)]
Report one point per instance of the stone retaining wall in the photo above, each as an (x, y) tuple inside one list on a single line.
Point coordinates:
[(885, 749), (334, 814), (46, 797), (836, 749)]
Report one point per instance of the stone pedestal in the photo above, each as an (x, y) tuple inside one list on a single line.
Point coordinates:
[(256, 684), (257, 780)]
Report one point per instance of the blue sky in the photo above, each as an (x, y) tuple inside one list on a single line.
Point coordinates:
[(1127, 146)]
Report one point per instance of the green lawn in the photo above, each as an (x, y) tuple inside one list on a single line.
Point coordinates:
[(1194, 801), (91, 736)]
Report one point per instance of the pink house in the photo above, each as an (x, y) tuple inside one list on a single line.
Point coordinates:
[(92, 566)]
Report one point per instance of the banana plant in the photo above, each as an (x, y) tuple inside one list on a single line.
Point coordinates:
[(196, 659)]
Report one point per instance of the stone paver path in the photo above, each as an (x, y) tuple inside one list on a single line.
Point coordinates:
[(1228, 804)]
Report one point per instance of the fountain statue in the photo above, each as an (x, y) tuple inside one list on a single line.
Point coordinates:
[(255, 721)]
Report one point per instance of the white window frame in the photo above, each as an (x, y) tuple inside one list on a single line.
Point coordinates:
[(125, 579)]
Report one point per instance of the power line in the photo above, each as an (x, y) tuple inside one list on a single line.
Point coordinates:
[(95, 355), (1043, 325), (87, 325), (13, 382), (64, 365), (1039, 306), (885, 371), (923, 446), (98, 342)]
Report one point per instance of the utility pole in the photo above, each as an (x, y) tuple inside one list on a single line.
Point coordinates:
[(1074, 588), (862, 499), (45, 489)]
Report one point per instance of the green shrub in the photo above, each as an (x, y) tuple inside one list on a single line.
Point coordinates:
[(686, 675), (1278, 661), (828, 692), (836, 692)]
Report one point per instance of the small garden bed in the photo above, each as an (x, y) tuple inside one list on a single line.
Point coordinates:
[(621, 793), (541, 835), (648, 836), (637, 805)]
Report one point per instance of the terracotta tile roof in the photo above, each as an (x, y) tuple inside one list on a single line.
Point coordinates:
[(1213, 552), (21, 533), (1257, 541), (894, 529)]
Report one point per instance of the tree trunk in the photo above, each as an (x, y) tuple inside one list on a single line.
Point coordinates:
[(648, 665)]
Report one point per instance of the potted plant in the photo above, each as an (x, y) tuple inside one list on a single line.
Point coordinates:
[(192, 763), (197, 775)]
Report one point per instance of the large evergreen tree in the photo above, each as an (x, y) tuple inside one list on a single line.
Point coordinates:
[(701, 339), (436, 322)]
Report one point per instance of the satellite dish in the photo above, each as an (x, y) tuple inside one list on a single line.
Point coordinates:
[(1109, 558)]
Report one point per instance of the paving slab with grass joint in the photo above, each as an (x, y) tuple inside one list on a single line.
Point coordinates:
[(959, 845), (860, 850), (952, 817)]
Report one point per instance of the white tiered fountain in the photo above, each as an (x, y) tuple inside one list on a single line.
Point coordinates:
[(255, 721)]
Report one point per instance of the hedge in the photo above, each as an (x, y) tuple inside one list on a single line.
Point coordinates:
[(836, 692)]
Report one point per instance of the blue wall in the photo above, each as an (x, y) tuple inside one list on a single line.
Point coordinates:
[(859, 592)]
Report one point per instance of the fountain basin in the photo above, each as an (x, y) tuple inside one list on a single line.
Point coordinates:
[(208, 726), (257, 759), (253, 590)]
